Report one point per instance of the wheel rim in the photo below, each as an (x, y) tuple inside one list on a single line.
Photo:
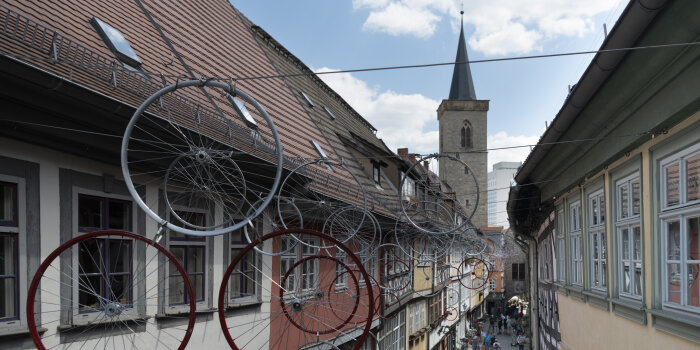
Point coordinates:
[(239, 337), (116, 311)]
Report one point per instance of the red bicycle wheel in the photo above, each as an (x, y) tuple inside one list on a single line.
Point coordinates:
[(106, 289), (474, 273), (290, 305)]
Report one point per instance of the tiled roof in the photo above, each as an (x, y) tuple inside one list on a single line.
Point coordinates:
[(208, 35), (210, 39)]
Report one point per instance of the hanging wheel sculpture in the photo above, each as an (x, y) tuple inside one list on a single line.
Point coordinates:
[(202, 157), (117, 281), (298, 293), (321, 190)]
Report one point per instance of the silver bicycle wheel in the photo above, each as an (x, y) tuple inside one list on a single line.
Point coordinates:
[(201, 156)]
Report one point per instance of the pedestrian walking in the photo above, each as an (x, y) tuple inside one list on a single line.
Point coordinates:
[(500, 326), (487, 341), (521, 341), (475, 342), (514, 334), (509, 324), (492, 323)]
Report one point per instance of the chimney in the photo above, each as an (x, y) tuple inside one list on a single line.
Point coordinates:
[(426, 164), (403, 152)]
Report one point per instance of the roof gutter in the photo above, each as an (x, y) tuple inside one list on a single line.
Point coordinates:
[(632, 23)]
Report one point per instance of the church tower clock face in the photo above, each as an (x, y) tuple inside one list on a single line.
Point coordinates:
[(462, 122)]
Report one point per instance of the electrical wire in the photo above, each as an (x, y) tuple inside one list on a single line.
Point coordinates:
[(417, 155), (374, 69)]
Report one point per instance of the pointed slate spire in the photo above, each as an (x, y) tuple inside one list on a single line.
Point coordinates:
[(462, 85)]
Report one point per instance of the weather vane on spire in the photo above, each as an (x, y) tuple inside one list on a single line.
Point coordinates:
[(461, 12)]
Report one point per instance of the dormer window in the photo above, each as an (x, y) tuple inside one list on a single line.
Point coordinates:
[(376, 173), (329, 113), (243, 112), (116, 42), (307, 99)]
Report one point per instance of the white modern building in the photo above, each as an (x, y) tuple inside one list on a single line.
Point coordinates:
[(498, 183)]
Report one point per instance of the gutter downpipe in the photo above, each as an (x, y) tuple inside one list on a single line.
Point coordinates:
[(534, 295)]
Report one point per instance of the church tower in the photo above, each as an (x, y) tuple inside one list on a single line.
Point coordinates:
[(462, 120)]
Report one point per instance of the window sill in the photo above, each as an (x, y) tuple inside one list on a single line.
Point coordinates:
[(630, 309), (18, 331), (575, 292), (677, 323), (80, 324), (233, 306), (597, 298)]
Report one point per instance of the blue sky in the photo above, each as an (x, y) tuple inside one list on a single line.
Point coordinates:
[(347, 34)]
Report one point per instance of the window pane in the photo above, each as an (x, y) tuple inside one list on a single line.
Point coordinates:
[(198, 285), (674, 240), (176, 290), (7, 255), (179, 253), (594, 211), (693, 238), (119, 215), (119, 256), (624, 202), (8, 202), (7, 298), (603, 245), (638, 278), (90, 288), (604, 273), (90, 256), (195, 259), (637, 248), (626, 277), (117, 39), (672, 183), (674, 283), (692, 179), (602, 209), (237, 236), (694, 285), (235, 284), (119, 286), (595, 247), (89, 213), (636, 197)]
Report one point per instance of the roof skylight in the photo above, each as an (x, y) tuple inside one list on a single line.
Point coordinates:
[(116, 42), (242, 111), (330, 114), (321, 153), (308, 100)]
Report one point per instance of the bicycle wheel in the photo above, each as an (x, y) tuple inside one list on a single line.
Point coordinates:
[(294, 300), (105, 289), (202, 157)]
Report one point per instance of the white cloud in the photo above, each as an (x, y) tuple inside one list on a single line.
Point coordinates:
[(512, 38), (398, 19), (502, 139), (500, 26), (402, 119)]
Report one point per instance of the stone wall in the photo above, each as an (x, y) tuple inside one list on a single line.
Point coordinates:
[(451, 116)]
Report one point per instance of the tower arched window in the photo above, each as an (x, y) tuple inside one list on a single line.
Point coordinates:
[(466, 135)]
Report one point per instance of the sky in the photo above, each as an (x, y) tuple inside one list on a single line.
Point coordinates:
[(524, 94)]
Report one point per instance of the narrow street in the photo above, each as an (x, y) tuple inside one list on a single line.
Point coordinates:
[(503, 339)]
